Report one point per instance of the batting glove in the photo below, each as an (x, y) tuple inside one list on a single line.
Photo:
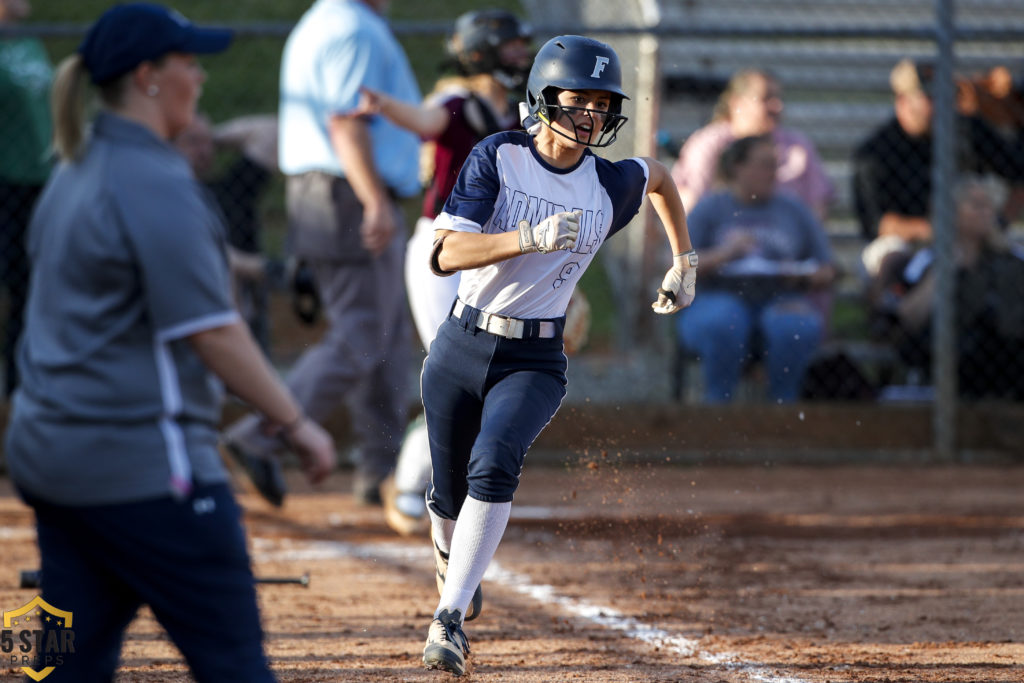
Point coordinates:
[(558, 231), (679, 285)]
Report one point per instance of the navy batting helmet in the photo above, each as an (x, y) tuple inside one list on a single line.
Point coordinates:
[(575, 63), (475, 45)]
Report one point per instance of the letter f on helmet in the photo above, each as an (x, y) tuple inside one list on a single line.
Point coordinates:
[(599, 64)]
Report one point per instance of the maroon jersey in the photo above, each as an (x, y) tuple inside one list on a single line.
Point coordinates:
[(471, 119)]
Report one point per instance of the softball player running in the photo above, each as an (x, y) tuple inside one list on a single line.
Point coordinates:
[(490, 50), (524, 220)]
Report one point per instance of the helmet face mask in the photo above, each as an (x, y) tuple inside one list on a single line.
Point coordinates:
[(477, 42), (512, 76), (610, 120), (575, 63)]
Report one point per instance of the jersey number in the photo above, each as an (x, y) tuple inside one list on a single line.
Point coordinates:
[(563, 275)]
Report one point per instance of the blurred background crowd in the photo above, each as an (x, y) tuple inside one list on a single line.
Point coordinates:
[(800, 135)]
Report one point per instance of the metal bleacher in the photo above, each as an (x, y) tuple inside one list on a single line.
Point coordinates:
[(833, 14), (832, 57)]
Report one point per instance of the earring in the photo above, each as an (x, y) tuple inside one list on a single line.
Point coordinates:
[(152, 91)]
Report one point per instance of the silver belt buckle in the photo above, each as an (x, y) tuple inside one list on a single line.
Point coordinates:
[(500, 325), (506, 326), (515, 328)]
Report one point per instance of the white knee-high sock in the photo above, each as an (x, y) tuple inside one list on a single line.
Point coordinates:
[(441, 529), (477, 534)]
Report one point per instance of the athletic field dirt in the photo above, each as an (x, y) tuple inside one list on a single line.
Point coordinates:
[(644, 571)]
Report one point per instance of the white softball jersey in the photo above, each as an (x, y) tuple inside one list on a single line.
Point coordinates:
[(504, 181)]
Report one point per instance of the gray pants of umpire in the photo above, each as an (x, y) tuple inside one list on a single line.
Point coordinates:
[(363, 360)]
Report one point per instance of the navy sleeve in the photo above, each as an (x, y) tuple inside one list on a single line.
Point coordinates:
[(626, 184), (476, 190)]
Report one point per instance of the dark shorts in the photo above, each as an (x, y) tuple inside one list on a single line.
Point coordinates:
[(485, 398), (187, 560)]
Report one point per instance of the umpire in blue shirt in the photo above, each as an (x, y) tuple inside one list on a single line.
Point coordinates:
[(344, 178), (130, 339)]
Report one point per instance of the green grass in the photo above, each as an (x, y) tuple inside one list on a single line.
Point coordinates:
[(245, 78)]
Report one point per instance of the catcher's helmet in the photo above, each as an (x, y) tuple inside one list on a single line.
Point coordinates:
[(575, 63), (475, 45)]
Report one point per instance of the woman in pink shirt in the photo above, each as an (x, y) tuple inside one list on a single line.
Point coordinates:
[(751, 104)]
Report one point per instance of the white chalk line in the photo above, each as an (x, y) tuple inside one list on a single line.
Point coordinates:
[(17, 533), (290, 550)]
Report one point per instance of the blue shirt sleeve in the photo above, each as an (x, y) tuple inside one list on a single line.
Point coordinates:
[(348, 62), (367, 54)]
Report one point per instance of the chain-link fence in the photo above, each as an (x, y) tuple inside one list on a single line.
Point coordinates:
[(852, 95), (854, 85), (885, 92)]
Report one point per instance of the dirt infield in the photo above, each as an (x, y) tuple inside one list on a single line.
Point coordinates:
[(647, 572)]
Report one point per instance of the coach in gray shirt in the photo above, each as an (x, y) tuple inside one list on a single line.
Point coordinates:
[(123, 281), (130, 338)]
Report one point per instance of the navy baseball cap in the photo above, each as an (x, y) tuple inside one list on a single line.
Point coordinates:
[(130, 34)]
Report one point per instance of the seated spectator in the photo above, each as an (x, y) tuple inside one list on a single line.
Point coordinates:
[(892, 168), (989, 305), (994, 96), (762, 253), (236, 193), (997, 97), (752, 105)]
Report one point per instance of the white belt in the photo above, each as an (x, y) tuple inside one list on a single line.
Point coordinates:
[(503, 326)]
